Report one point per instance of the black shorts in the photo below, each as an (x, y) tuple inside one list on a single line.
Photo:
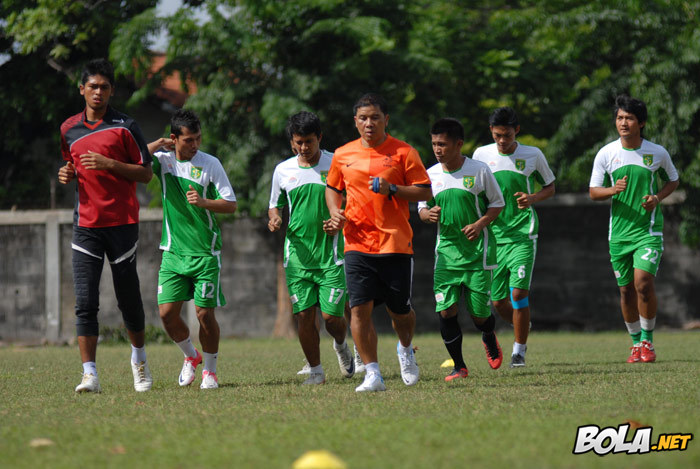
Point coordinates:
[(380, 278), (90, 245)]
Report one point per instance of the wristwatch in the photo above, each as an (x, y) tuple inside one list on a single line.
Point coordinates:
[(392, 190)]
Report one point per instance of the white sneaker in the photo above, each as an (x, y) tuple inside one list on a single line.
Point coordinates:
[(345, 360), (142, 376), (306, 370), (209, 380), (90, 383), (188, 369), (373, 382), (359, 366), (315, 378), (409, 367)]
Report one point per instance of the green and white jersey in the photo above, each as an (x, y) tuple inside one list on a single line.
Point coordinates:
[(645, 167), (463, 196), (306, 245), (189, 230), (516, 172)]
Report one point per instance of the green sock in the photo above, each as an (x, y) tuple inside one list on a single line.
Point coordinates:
[(648, 335), (636, 337)]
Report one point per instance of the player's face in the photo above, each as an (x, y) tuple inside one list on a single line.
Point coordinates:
[(627, 124), (187, 143), (97, 91), (447, 151), (307, 146), (371, 123), (504, 136)]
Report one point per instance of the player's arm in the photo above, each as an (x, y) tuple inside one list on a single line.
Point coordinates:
[(162, 142), (130, 171), (213, 205), (604, 193), (412, 193), (473, 230), (275, 220), (429, 214), (525, 200), (649, 202), (334, 199)]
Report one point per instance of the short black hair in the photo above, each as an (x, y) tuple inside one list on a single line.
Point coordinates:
[(98, 67), (371, 99), (631, 105), (303, 123), (504, 116), (447, 125), (184, 118)]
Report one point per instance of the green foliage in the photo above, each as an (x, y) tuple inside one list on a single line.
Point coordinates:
[(43, 45), (558, 63)]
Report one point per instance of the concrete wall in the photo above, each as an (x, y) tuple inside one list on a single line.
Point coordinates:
[(573, 287)]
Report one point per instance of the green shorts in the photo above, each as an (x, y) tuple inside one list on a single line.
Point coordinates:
[(182, 278), (449, 284), (515, 264), (323, 287), (644, 255)]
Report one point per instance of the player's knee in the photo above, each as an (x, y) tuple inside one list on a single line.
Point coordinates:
[(205, 314), (645, 290), (135, 322)]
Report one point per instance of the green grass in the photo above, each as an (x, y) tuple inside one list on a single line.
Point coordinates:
[(262, 418)]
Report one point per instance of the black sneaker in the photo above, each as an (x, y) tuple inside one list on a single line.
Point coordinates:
[(517, 360)]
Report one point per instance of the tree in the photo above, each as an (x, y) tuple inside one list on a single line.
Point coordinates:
[(44, 44)]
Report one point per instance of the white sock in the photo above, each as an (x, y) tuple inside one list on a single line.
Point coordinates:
[(90, 368), (372, 368), (337, 346), (405, 350), (187, 348), (317, 369), (647, 324), (634, 327), (519, 349), (210, 361), (138, 355)]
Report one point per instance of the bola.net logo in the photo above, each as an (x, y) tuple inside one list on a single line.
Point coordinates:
[(616, 440)]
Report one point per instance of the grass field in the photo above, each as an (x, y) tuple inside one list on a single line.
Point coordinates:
[(262, 418)]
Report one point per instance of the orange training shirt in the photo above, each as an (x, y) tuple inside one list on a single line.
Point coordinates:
[(375, 224)]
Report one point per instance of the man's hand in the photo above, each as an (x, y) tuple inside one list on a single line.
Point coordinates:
[(163, 142), (193, 197), (329, 228), (472, 231), (524, 200), (92, 160), (379, 185), (649, 202), (620, 185), (275, 223), (431, 215), (66, 173), (337, 220)]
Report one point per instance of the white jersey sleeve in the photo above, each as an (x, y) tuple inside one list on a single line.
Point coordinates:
[(543, 168), (221, 182), (491, 187), (276, 189), (599, 171)]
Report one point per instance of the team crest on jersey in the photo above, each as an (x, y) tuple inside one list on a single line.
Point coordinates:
[(520, 165), (195, 172), (468, 181), (648, 159), (324, 175)]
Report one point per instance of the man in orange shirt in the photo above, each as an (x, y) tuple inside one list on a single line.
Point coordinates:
[(381, 175)]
